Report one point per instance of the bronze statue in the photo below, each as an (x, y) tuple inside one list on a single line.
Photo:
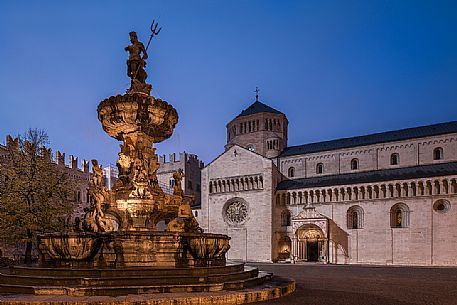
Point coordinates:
[(137, 62)]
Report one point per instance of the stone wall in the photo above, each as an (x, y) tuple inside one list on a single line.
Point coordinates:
[(191, 166), (251, 238), (427, 238), (372, 157)]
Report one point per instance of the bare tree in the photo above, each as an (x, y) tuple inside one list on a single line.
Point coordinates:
[(36, 196)]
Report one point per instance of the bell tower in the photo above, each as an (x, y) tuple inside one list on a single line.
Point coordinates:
[(259, 128)]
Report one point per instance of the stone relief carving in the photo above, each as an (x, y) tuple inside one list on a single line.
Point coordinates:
[(309, 215)]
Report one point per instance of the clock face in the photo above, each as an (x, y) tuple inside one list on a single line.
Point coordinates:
[(236, 211)]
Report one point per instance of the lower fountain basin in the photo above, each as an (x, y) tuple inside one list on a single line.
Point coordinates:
[(132, 249), (69, 246)]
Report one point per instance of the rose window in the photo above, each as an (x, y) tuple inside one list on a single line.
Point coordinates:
[(236, 212)]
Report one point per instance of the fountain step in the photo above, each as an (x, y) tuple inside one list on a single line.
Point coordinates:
[(136, 279), (126, 272), (140, 289)]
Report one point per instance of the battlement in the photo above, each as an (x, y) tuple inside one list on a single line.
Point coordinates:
[(183, 157), (59, 157), (72, 162)]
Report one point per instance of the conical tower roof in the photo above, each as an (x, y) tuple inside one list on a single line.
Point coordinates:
[(258, 107)]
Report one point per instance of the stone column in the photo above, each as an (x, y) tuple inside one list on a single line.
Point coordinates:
[(294, 249)]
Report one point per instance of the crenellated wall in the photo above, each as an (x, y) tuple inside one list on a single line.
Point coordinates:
[(71, 166), (191, 166)]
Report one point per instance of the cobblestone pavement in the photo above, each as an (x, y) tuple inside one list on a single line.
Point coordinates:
[(341, 284)]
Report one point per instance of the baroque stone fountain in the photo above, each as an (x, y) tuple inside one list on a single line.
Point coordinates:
[(117, 248), (120, 227)]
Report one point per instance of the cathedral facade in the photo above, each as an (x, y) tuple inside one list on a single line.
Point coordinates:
[(388, 198)]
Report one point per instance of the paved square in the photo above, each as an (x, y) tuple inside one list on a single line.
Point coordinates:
[(342, 284)]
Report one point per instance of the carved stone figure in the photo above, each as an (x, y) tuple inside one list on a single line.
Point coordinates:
[(94, 218), (97, 174), (153, 168), (176, 225), (177, 188)]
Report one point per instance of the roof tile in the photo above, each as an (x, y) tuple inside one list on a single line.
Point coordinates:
[(383, 137), (258, 107)]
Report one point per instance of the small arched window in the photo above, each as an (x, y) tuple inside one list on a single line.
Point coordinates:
[(438, 153), (355, 217), (291, 172), (399, 216), (355, 163), (319, 168), (394, 159)]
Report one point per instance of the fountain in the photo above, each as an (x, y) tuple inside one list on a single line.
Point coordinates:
[(119, 248)]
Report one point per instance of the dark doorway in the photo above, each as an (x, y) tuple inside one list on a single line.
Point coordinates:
[(312, 251)]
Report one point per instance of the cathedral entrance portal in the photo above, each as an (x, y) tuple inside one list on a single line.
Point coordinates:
[(311, 243), (312, 250)]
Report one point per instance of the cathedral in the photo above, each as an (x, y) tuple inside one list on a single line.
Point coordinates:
[(388, 198)]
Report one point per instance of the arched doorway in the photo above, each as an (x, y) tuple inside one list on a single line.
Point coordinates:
[(311, 243)]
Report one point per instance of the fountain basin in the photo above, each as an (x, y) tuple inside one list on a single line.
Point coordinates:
[(131, 113), (132, 249), (69, 246)]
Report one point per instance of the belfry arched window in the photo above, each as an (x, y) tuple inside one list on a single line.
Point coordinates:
[(319, 168), (355, 217), (291, 172), (355, 163), (399, 216), (394, 159), (438, 153)]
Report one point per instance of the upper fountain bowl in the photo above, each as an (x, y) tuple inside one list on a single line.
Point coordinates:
[(132, 113)]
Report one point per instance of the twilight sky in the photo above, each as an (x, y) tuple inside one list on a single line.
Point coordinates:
[(335, 68)]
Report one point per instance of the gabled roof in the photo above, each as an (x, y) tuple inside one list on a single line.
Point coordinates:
[(236, 146), (258, 107), (420, 171), (382, 137)]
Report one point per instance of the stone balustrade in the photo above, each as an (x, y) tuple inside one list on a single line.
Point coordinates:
[(369, 191), (236, 184)]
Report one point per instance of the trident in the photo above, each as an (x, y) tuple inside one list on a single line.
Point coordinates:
[(154, 32)]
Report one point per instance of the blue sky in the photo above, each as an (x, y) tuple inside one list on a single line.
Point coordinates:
[(335, 68)]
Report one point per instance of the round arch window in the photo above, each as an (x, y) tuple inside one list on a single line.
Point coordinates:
[(235, 211), (441, 206), (250, 147)]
